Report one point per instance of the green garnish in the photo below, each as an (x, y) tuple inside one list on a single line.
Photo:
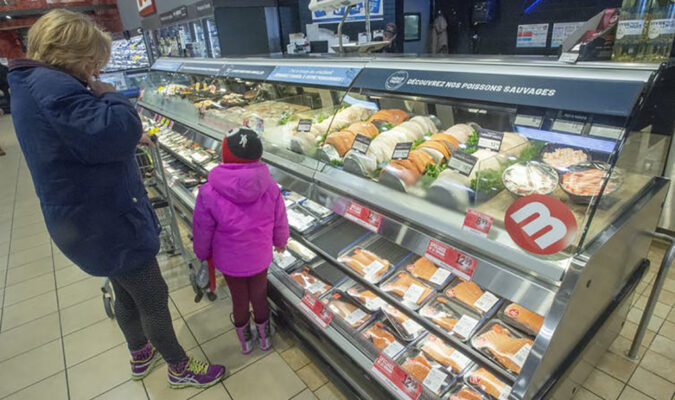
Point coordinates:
[(285, 117), (433, 170), (417, 143), (322, 117), (385, 127), (337, 162)]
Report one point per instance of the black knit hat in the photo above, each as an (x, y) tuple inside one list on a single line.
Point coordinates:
[(241, 145)]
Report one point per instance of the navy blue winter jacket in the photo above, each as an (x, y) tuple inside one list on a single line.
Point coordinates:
[(80, 149)]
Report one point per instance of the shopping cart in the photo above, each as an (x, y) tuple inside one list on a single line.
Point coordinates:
[(149, 162)]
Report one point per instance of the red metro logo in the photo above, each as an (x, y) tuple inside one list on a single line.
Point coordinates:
[(540, 224)]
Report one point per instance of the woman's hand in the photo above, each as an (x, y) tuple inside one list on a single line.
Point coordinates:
[(99, 87), (146, 141)]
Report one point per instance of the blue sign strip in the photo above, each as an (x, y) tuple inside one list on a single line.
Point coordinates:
[(341, 77), (592, 96), (166, 65), (200, 68), (249, 72)]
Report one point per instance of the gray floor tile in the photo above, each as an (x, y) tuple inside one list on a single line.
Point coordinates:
[(131, 390), (22, 371), (91, 341), (69, 275), (269, 378), (30, 270), (28, 310), (25, 290), (80, 291), (29, 336), (82, 315), (210, 322), (53, 387), (20, 258), (225, 349), (99, 374)]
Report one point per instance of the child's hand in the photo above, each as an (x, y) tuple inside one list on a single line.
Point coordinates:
[(280, 249)]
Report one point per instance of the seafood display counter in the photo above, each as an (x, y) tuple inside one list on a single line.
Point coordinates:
[(461, 228)]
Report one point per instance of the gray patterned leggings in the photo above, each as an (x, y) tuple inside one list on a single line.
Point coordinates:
[(142, 310)]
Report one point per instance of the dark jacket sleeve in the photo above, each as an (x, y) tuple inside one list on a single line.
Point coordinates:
[(97, 129)]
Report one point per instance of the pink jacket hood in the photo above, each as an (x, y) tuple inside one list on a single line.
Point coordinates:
[(239, 216)]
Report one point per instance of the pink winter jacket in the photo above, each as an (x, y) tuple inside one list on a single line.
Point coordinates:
[(239, 215)]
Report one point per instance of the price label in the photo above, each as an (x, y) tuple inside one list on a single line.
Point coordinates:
[(486, 302), (460, 360), (316, 310), (462, 162), (304, 125), (569, 58), (393, 349), (364, 217), (461, 264), (440, 276), (375, 303), (413, 293), (412, 327), (435, 380), (570, 123), (490, 140), (477, 222), (606, 131), (401, 151), (396, 378), (355, 317), (464, 326), (361, 144), (372, 269), (520, 356), (533, 121), (284, 260)]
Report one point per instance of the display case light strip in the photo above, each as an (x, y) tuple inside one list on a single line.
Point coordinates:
[(584, 142)]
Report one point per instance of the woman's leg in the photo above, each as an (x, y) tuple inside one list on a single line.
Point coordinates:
[(240, 299), (150, 294), (128, 318), (257, 289)]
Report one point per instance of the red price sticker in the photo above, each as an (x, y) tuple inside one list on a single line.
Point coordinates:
[(316, 310), (477, 222), (395, 377), (157, 117), (364, 216), (459, 263)]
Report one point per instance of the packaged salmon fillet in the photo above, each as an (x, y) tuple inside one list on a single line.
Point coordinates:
[(521, 318), (487, 383), (507, 347), (345, 308), (366, 297), (428, 272), (456, 320), (471, 295), (384, 338), (406, 326), (367, 264), (464, 392), (445, 354), (410, 291), (432, 374), (308, 281)]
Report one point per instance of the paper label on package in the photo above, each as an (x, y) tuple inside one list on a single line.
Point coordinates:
[(520, 357), (464, 326), (504, 395), (435, 380), (439, 276), (375, 303), (316, 287), (486, 301), (412, 327), (393, 349), (413, 293), (631, 27), (284, 260), (658, 27), (460, 359), (361, 143), (401, 151), (372, 269), (355, 317)]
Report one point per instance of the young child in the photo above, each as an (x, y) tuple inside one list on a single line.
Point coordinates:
[(238, 218)]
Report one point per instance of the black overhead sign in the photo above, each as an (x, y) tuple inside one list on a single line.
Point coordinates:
[(204, 8), (593, 96), (174, 15)]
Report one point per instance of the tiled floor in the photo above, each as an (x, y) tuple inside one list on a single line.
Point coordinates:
[(57, 343)]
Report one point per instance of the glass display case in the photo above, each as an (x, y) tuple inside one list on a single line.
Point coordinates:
[(469, 222)]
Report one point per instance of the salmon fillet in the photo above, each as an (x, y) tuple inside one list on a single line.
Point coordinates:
[(417, 366), (438, 350), (393, 116), (342, 141), (403, 282), (440, 317), (379, 336), (530, 320), (487, 382), (344, 309), (306, 280), (364, 128), (423, 269), (437, 145), (466, 393), (360, 259), (499, 342), (467, 292)]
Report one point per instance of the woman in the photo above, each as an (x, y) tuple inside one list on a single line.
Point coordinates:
[(78, 137)]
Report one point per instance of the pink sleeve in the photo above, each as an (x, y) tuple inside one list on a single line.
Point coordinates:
[(281, 233), (203, 226)]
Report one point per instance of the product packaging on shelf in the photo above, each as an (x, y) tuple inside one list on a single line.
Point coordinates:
[(450, 315), (410, 291), (521, 318), (472, 296), (506, 346), (348, 310)]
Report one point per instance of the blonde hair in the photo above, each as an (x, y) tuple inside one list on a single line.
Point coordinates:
[(69, 41)]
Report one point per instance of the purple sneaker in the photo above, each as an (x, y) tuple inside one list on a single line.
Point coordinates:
[(194, 373), (142, 361)]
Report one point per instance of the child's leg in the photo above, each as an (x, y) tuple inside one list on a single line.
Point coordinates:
[(240, 299), (257, 289)]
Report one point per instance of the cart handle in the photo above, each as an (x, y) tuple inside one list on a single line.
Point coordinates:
[(661, 275)]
